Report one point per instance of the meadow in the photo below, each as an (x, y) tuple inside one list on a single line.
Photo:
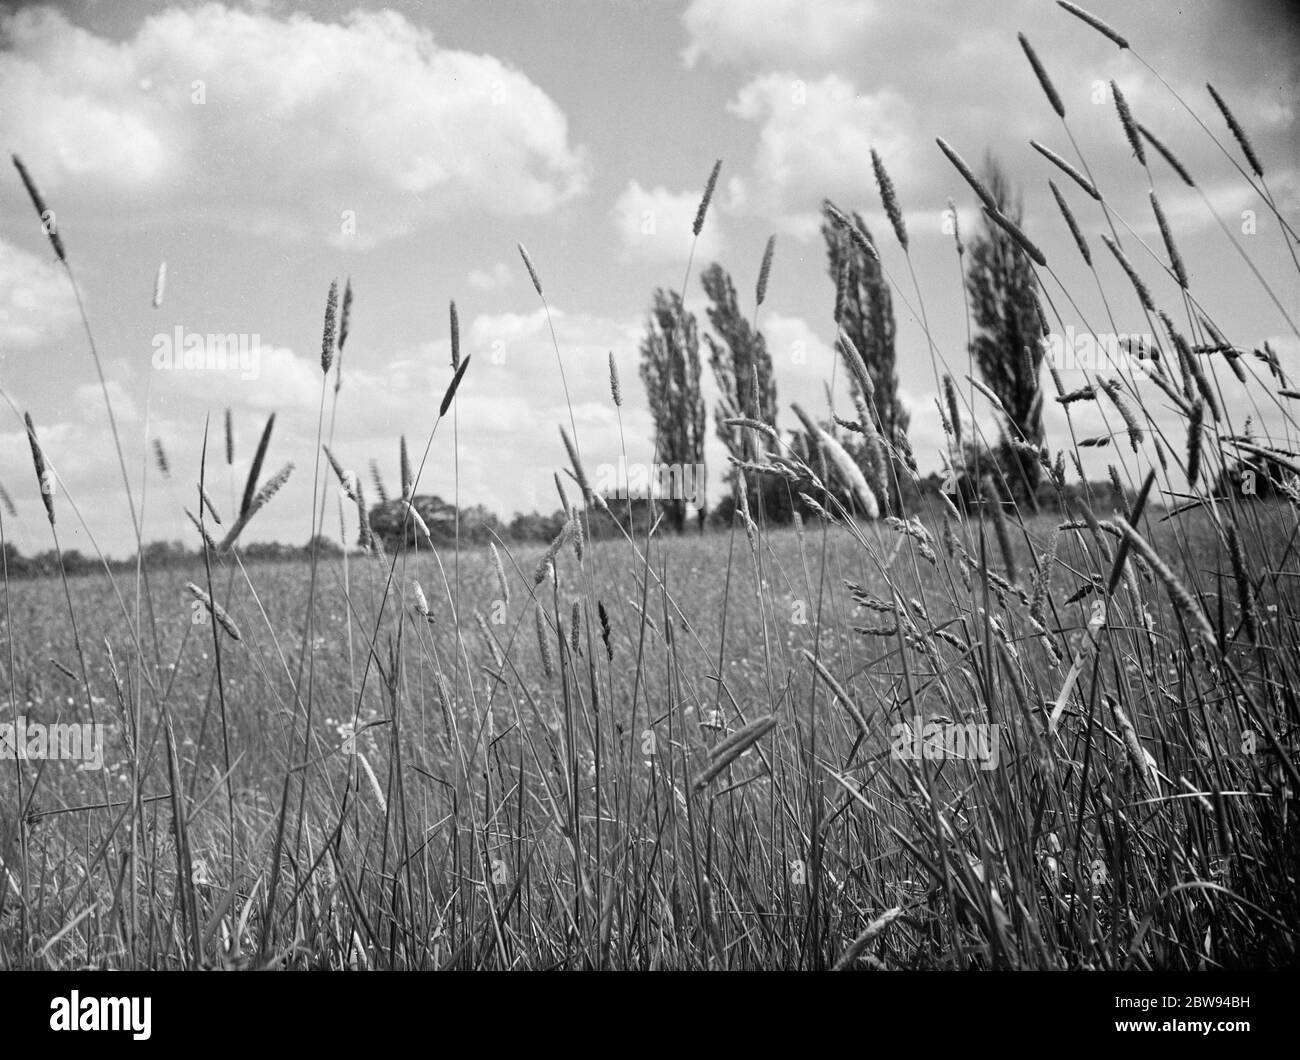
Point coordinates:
[(655, 751)]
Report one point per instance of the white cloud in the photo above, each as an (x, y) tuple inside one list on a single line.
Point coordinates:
[(498, 276), (828, 81), (283, 125), (796, 348), (815, 140), (88, 399), (36, 301), (774, 32), (259, 375), (77, 106), (1185, 209), (656, 225)]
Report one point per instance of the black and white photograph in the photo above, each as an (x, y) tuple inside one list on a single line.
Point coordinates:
[(683, 486)]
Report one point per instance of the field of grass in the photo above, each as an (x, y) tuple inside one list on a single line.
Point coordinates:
[(495, 816), (686, 752)]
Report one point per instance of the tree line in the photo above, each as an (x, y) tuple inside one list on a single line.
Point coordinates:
[(1005, 348)]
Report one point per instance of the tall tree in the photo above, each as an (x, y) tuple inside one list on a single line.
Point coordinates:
[(865, 311), (742, 368), (1006, 347), (670, 370)]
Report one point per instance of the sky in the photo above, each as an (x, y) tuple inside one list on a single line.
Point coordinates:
[(264, 149)]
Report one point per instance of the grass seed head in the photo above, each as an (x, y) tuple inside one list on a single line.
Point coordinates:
[(44, 476), (1040, 72), (889, 197), (1130, 126), (455, 336), (546, 565), (327, 338), (725, 752), (706, 198), (377, 481), (1243, 141), (345, 316), (49, 224), (208, 542), (1175, 259), (1138, 757), (272, 487), (579, 538), (532, 272), (854, 231), (347, 479), (250, 486), (564, 497), (544, 643), (954, 409), (605, 629), (405, 462), (1060, 163), (850, 472), (1131, 424), (615, 388), (503, 586), (1075, 231), (764, 271), (1194, 423), (452, 387), (216, 610), (1093, 21), (976, 184), (578, 473), (1245, 587), (856, 365), (160, 459)]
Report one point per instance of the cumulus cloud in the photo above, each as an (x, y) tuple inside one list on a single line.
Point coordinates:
[(244, 371), (656, 224), (826, 81), (88, 400), (797, 350), (36, 301), (498, 276), (1185, 209), (364, 128), (759, 32), (815, 139)]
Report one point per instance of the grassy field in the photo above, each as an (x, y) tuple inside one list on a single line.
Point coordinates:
[(960, 741), (505, 808)]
